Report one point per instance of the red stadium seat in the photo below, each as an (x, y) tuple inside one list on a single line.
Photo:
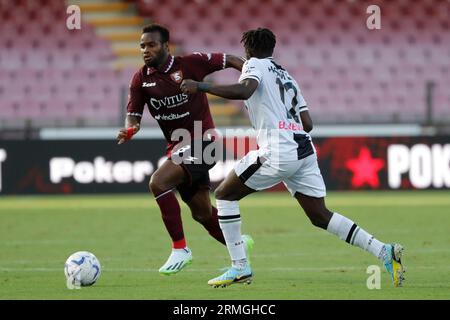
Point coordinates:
[(344, 69)]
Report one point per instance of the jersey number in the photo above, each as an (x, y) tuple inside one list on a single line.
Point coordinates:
[(291, 114)]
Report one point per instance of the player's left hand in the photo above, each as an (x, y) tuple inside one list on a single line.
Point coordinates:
[(189, 86)]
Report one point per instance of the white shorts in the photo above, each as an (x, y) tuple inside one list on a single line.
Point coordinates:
[(303, 176)]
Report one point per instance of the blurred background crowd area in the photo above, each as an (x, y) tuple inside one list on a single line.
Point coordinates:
[(54, 77)]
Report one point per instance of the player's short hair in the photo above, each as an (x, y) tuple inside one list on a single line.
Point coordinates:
[(260, 40), (163, 31)]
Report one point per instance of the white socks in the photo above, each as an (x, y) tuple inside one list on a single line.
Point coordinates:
[(347, 230), (230, 223)]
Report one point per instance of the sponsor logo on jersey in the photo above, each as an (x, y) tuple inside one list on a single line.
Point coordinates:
[(172, 116), (177, 76), (289, 126), (169, 102), (148, 84)]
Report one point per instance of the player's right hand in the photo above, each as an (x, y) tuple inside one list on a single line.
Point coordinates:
[(125, 134)]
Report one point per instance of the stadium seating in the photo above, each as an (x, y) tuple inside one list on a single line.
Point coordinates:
[(347, 72), (50, 75)]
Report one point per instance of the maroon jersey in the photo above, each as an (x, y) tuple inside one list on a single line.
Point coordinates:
[(160, 90)]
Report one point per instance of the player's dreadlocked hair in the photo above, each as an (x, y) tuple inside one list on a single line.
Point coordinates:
[(163, 31), (261, 40)]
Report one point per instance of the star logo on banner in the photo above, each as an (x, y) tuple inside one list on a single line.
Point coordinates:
[(365, 169)]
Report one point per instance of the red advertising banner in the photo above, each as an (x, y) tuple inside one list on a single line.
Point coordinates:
[(100, 166), (385, 163)]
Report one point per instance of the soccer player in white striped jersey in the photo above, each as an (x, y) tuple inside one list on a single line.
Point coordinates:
[(279, 114)]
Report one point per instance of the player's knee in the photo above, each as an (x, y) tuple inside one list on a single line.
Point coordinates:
[(157, 185), (319, 218), (154, 187)]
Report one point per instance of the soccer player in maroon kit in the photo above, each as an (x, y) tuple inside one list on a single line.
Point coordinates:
[(157, 84)]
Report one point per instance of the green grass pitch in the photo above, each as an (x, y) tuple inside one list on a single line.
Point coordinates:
[(291, 258)]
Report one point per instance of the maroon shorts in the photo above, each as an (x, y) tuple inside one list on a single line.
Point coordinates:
[(196, 166)]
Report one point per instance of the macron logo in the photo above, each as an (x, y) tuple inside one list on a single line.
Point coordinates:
[(148, 84)]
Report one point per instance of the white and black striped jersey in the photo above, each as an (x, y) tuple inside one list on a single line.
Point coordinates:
[(274, 110)]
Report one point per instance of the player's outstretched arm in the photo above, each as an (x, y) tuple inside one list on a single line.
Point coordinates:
[(234, 62), (237, 91), (132, 126)]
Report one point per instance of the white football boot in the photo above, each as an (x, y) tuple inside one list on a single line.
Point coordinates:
[(178, 259)]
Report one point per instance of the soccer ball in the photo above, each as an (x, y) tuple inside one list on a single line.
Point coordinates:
[(82, 269)]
